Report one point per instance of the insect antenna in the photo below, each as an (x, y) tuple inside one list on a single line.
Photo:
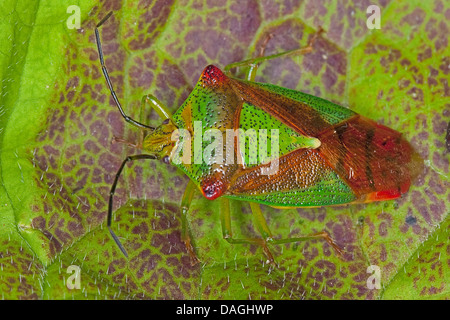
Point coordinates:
[(113, 191), (108, 80)]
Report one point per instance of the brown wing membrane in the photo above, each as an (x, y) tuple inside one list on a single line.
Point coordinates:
[(374, 159)]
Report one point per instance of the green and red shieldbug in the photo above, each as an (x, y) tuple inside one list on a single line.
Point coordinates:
[(326, 154)]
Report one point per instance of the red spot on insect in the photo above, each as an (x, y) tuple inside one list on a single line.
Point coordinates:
[(390, 194), (212, 76), (213, 189), (384, 195)]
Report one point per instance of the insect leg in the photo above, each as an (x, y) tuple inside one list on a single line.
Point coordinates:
[(112, 192), (108, 80), (251, 72), (185, 235), (157, 105), (267, 235), (262, 227), (225, 219), (254, 62), (324, 235), (260, 222)]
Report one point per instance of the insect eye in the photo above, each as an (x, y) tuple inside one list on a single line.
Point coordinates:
[(166, 121), (166, 160)]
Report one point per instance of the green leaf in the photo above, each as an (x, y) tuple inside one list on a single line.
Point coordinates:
[(58, 162)]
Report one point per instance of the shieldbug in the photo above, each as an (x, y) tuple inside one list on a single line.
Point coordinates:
[(321, 153)]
